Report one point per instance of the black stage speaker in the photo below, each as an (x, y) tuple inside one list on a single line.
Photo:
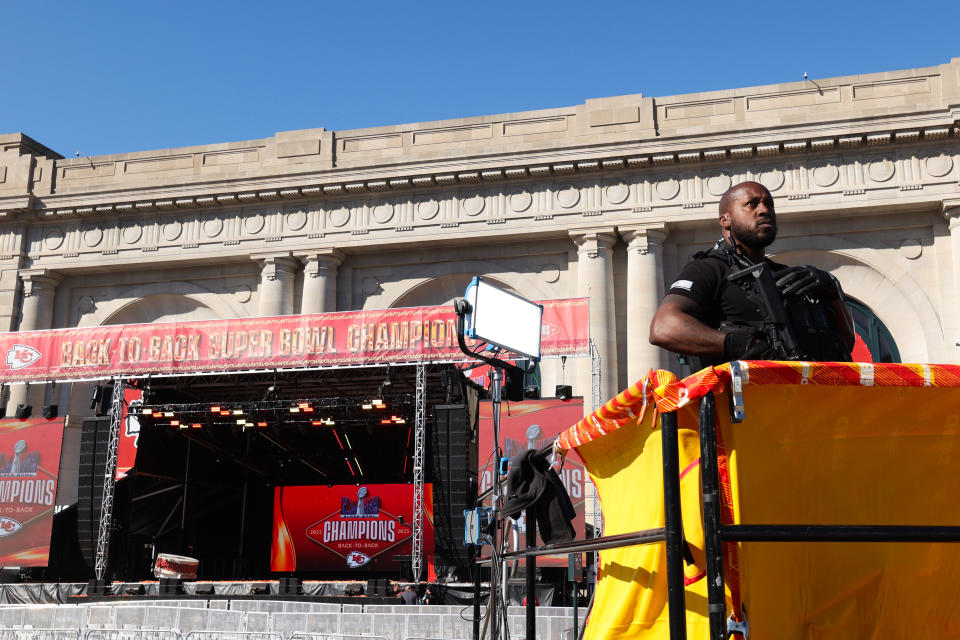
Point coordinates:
[(170, 586), (564, 392), (102, 399), (50, 411), (94, 436), (378, 587), (23, 411), (454, 471), (290, 586)]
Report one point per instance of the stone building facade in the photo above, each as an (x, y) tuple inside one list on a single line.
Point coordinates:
[(605, 199)]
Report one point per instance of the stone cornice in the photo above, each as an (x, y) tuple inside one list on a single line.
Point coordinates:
[(688, 153)]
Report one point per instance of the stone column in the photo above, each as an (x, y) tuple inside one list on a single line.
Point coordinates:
[(36, 313), (276, 284), (595, 281), (644, 292), (951, 211), (320, 280)]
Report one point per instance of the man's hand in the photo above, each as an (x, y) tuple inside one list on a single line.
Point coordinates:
[(807, 281), (746, 344)]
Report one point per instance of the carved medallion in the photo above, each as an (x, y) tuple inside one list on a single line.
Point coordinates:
[(212, 227), (244, 293), (339, 217), (826, 175), (938, 166), (617, 193), (53, 239), (772, 179), (718, 185), (668, 189), (472, 205), (911, 249), (520, 202), (428, 209), (132, 233), (568, 197), (296, 220), (382, 213), (92, 236), (881, 170), (172, 230), (254, 224), (549, 272)]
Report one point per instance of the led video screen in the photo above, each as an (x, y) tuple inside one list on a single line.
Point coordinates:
[(347, 528)]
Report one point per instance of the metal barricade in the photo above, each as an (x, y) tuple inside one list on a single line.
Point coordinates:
[(233, 635), (39, 634), (115, 633), (306, 635)]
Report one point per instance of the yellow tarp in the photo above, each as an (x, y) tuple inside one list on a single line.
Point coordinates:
[(820, 445)]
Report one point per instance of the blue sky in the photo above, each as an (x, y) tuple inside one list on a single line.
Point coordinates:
[(112, 77)]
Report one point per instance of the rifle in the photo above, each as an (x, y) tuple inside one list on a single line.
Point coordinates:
[(758, 284)]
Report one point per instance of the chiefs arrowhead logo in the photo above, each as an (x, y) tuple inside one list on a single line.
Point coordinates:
[(20, 356), (8, 526), (548, 330), (357, 559)]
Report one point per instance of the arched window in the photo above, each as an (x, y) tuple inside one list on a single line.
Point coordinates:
[(873, 332)]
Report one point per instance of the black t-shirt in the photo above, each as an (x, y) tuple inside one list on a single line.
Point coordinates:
[(704, 280)]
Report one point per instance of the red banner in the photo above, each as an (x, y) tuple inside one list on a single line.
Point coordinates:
[(347, 528), (530, 425), (29, 465), (130, 433), (415, 334)]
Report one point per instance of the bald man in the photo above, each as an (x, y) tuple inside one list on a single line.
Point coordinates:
[(713, 320)]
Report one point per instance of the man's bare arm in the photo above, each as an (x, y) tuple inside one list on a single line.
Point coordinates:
[(677, 329)]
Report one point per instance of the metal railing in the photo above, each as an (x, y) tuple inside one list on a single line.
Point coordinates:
[(117, 633), (28, 633)]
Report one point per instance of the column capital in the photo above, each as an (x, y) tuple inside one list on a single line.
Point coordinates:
[(37, 280), (641, 237), (593, 241), (951, 211), (276, 265), (317, 261)]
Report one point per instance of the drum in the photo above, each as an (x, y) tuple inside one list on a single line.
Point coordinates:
[(171, 566)]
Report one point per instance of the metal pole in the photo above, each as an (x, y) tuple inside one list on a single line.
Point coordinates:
[(476, 601), (531, 566), (710, 482), (418, 447), (109, 479), (576, 599), (672, 525), (496, 377)]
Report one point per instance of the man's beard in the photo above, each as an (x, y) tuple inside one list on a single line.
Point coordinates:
[(754, 238)]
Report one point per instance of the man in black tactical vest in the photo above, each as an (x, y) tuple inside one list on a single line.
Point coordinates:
[(732, 303)]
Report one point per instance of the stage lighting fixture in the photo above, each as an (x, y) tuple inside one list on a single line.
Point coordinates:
[(50, 411), (242, 421), (197, 425), (347, 438), (564, 391), (352, 472), (182, 426), (174, 423), (157, 414), (224, 413), (261, 424), (503, 319), (146, 411), (316, 423), (387, 421), (168, 414), (294, 409), (215, 409), (366, 406), (238, 412), (357, 462), (23, 411)]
